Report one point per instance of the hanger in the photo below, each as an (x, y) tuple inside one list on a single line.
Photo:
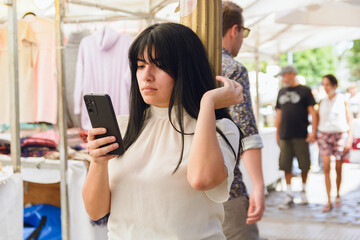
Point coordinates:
[(28, 13)]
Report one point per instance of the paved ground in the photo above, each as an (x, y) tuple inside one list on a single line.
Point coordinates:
[(308, 222)]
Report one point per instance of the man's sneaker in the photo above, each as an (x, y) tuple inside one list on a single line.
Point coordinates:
[(288, 203), (303, 198)]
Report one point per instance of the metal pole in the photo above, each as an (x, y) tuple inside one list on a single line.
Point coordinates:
[(205, 20), (161, 5), (103, 18), (290, 58), (108, 18), (257, 69), (59, 6), (14, 85), (105, 7), (14, 112), (150, 16), (257, 100)]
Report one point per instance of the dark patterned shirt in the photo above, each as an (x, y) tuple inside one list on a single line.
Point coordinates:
[(242, 113)]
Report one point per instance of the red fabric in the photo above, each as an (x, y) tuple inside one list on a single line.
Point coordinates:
[(38, 142), (356, 144)]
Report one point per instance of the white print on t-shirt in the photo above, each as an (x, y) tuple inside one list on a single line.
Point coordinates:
[(292, 97)]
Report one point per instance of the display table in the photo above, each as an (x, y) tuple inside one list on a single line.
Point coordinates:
[(11, 205), (40, 170), (270, 160)]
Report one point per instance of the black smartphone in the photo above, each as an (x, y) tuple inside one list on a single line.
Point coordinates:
[(101, 114)]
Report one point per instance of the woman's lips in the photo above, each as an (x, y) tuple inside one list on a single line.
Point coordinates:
[(148, 89)]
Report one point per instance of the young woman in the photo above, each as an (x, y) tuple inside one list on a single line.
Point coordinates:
[(181, 146), (335, 137)]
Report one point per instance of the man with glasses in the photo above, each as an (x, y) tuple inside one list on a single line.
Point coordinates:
[(242, 212)]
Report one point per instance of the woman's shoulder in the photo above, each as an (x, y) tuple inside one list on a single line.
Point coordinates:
[(231, 132), (226, 125), (123, 121)]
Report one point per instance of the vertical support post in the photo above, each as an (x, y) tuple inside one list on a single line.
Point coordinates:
[(259, 121), (14, 85), (59, 6), (290, 58), (14, 115), (205, 19), (278, 63), (150, 17), (257, 100)]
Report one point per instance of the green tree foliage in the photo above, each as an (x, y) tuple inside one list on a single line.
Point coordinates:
[(353, 59), (250, 66), (313, 63)]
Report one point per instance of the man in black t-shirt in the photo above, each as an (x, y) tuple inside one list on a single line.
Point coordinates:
[(293, 105)]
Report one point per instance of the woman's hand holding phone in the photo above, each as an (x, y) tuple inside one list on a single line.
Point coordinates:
[(99, 154)]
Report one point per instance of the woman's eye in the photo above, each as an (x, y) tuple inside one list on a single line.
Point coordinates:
[(140, 66)]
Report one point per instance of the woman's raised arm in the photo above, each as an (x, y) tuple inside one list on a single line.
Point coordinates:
[(206, 168)]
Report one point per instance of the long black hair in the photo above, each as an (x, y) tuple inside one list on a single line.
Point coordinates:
[(178, 51)]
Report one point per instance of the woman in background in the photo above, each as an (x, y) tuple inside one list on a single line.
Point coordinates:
[(335, 135)]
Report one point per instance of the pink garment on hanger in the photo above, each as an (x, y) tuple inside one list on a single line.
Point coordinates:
[(27, 53), (45, 70), (103, 67)]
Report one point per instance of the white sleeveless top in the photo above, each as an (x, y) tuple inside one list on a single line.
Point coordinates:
[(148, 201), (333, 115)]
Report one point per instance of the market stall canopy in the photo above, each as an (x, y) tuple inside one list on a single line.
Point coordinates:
[(132, 7), (281, 26), (277, 26), (78, 11), (331, 14)]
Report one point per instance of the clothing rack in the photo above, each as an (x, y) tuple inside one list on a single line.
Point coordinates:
[(152, 9), (15, 159), (62, 123), (60, 18), (106, 18), (105, 7), (33, 162)]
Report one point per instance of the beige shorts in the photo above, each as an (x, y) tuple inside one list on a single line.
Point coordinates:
[(295, 147)]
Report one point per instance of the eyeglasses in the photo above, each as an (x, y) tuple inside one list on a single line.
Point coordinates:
[(246, 31)]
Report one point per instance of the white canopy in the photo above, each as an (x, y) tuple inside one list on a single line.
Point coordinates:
[(280, 26), (92, 10), (277, 26)]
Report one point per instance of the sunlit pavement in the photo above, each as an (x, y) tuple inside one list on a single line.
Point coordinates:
[(308, 222)]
